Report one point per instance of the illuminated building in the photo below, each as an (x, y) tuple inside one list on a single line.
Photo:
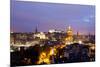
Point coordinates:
[(69, 37), (11, 40), (54, 31), (79, 40), (51, 31), (41, 35)]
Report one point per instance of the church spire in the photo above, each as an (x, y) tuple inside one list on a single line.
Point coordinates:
[(36, 30)]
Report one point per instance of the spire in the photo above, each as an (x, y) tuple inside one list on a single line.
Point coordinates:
[(36, 30), (69, 28), (77, 33)]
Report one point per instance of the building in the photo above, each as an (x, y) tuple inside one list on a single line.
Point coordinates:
[(69, 37), (40, 35)]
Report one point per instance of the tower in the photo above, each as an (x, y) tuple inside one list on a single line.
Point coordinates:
[(89, 36), (36, 30), (69, 37), (77, 36)]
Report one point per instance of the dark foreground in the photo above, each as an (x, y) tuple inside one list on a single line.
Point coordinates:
[(68, 54)]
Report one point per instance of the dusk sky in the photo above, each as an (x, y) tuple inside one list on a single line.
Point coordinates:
[(26, 16)]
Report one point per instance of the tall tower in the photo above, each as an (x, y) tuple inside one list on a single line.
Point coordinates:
[(77, 35), (69, 37), (36, 30)]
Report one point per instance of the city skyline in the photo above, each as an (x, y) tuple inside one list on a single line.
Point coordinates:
[(26, 16)]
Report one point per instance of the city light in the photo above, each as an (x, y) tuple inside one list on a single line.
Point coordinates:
[(51, 31), (51, 52), (80, 42), (43, 58), (42, 40)]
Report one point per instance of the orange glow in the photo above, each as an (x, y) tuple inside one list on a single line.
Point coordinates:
[(43, 58), (52, 51)]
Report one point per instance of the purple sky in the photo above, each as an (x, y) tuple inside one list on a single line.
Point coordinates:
[(25, 16)]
